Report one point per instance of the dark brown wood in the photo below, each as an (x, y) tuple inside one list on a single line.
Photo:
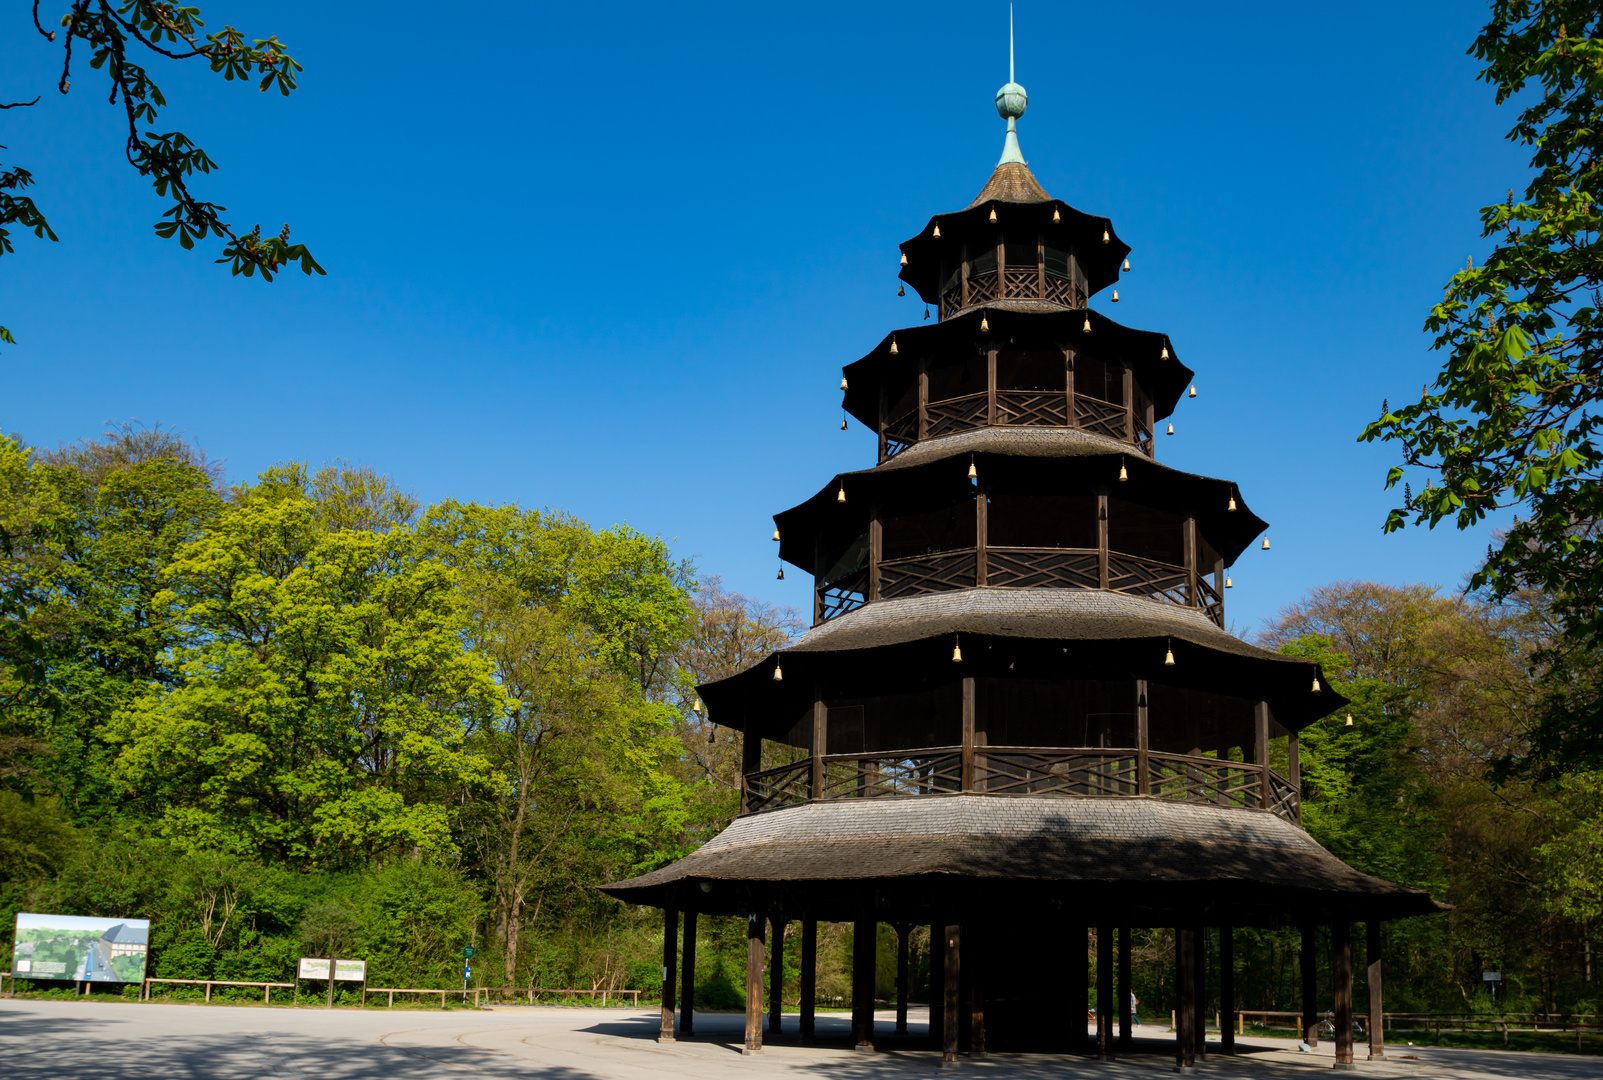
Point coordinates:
[(820, 743), (670, 942), (1143, 748), (687, 984), (924, 383), (809, 977), (990, 387), (1129, 403), (1310, 987), (904, 931), (937, 985), (1293, 763), (1104, 990), (1341, 964), (1376, 1027), (1068, 384), (1189, 542), (1185, 993), (863, 934), (876, 552), (964, 250), (952, 968), (968, 733), (883, 419), (1260, 721), (1152, 431), (754, 982), (1040, 264), (981, 519), (776, 974), (1227, 989), (1199, 969), (751, 756), (1102, 536), (974, 971), (1125, 988)]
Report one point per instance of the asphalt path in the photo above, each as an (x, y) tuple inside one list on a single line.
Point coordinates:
[(125, 1039)]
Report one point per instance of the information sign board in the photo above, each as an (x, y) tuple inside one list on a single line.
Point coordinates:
[(350, 971), (81, 948), (312, 968)]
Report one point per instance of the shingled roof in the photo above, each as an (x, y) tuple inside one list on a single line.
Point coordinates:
[(1013, 182)]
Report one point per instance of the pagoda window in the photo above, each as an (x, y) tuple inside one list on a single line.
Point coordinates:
[(1182, 720), (922, 532), (1055, 712), (1060, 263), (911, 720), (1039, 370), (1094, 377), (982, 263), (903, 403), (958, 378), (849, 565), (1146, 532), (1021, 254), (1041, 521)]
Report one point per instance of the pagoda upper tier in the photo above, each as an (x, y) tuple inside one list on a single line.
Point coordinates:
[(1013, 243)]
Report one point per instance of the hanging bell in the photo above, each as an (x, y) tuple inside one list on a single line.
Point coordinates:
[(1232, 505), (957, 653), (936, 232), (985, 324), (1107, 237), (779, 674), (901, 290), (973, 473), (1056, 217), (1317, 687), (843, 423), (776, 534), (1087, 326), (781, 576), (1123, 473), (1228, 583), (904, 258), (993, 215), (1349, 720), (1170, 431), (840, 496), (843, 382), (1127, 266), (926, 314), (1168, 657), (696, 706), (1115, 296), (1266, 543), (1193, 391), (1165, 354), (894, 350)]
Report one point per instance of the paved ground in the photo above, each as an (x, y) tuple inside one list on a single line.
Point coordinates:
[(116, 1039)]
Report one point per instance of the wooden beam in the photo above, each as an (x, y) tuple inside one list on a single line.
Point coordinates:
[(882, 421), (876, 552), (1040, 264), (981, 524), (1129, 404), (990, 385), (1104, 991), (1102, 537), (1260, 721), (1193, 595), (1143, 742), (1310, 987), (1125, 988), (1068, 383), (968, 733), (924, 383), (952, 970), (809, 976), (776, 973), (754, 982), (1152, 429), (903, 958), (1227, 989), (1376, 1026), (1341, 962), (964, 251), (975, 970), (1185, 993), (937, 985), (687, 985), (820, 742), (670, 942)]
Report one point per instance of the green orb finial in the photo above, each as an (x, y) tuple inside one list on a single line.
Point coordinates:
[(1010, 102)]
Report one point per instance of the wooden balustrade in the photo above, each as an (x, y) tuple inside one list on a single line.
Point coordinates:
[(1021, 283), (1071, 772)]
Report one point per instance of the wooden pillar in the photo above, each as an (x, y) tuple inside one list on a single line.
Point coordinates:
[(968, 733), (924, 379), (863, 978), (951, 971), (776, 974), (670, 941), (937, 986), (981, 522), (820, 743), (751, 756), (990, 383), (1104, 990), (754, 982), (1227, 989), (1040, 265), (1129, 404), (974, 972), (883, 445), (1377, 1018), (1068, 386), (1102, 538), (1143, 740), (1199, 944), (1124, 990), (1185, 987), (1189, 542), (1152, 429), (1260, 721), (809, 976), (904, 931), (1342, 989), (687, 985), (1310, 987), (964, 251)]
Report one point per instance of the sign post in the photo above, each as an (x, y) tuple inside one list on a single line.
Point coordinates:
[(1492, 979), (468, 953)]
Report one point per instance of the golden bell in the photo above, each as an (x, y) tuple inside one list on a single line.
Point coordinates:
[(1168, 658), (894, 350), (1087, 326), (1127, 266), (937, 232), (973, 473), (1317, 687), (1123, 475), (840, 496), (1193, 392), (993, 215), (843, 382), (696, 707), (1228, 583), (901, 290), (779, 675), (843, 423), (1107, 237), (1170, 431), (1165, 355), (985, 324), (1232, 505), (904, 258), (957, 654), (776, 534), (1266, 543), (1115, 296), (1055, 217), (781, 574), (1349, 720)]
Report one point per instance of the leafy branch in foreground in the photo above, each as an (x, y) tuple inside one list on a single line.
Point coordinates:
[(117, 32)]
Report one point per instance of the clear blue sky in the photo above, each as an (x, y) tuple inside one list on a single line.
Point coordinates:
[(611, 258)]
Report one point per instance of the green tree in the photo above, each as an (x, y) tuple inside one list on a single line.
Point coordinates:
[(1512, 418), (116, 33)]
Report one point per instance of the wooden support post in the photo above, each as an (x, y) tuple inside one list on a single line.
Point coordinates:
[(924, 378), (1152, 431), (776, 973), (687, 983), (1129, 404), (990, 384), (904, 931), (1342, 990), (1185, 992), (974, 976), (952, 971), (1125, 989), (937, 984), (1189, 543), (754, 982), (820, 743), (1260, 720), (882, 403), (1310, 986), (1102, 538), (670, 976), (863, 949), (751, 760), (1104, 991), (809, 975), (876, 552), (1376, 1027), (1143, 775), (1227, 989), (982, 507), (964, 251), (1068, 386), (1199, 942), (968, 733)]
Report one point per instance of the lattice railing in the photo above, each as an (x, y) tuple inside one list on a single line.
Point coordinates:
[(1058, 568), (951, 301), (905, 772), (1102, 417), (1147, 577), (957, 414), (1284, 799), (1210, 601), (981, 287), (1063, 291), (927, 573), (838, 597), (787, 785), (1023, 284), (1030, 409), (1205, 780), (901, 433), (1021, 770)]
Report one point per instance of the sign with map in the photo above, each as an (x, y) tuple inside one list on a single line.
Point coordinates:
[(344, 970), (80, 948)]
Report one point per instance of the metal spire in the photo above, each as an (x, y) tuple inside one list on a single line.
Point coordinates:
[(1010, 102)]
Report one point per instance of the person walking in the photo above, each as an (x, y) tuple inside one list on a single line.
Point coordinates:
[(1135, 1002)]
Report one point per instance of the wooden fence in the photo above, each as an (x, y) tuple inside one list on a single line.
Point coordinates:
[(267, 987)]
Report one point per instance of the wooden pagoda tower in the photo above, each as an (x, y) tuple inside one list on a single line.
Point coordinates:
[(1018, 716)]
